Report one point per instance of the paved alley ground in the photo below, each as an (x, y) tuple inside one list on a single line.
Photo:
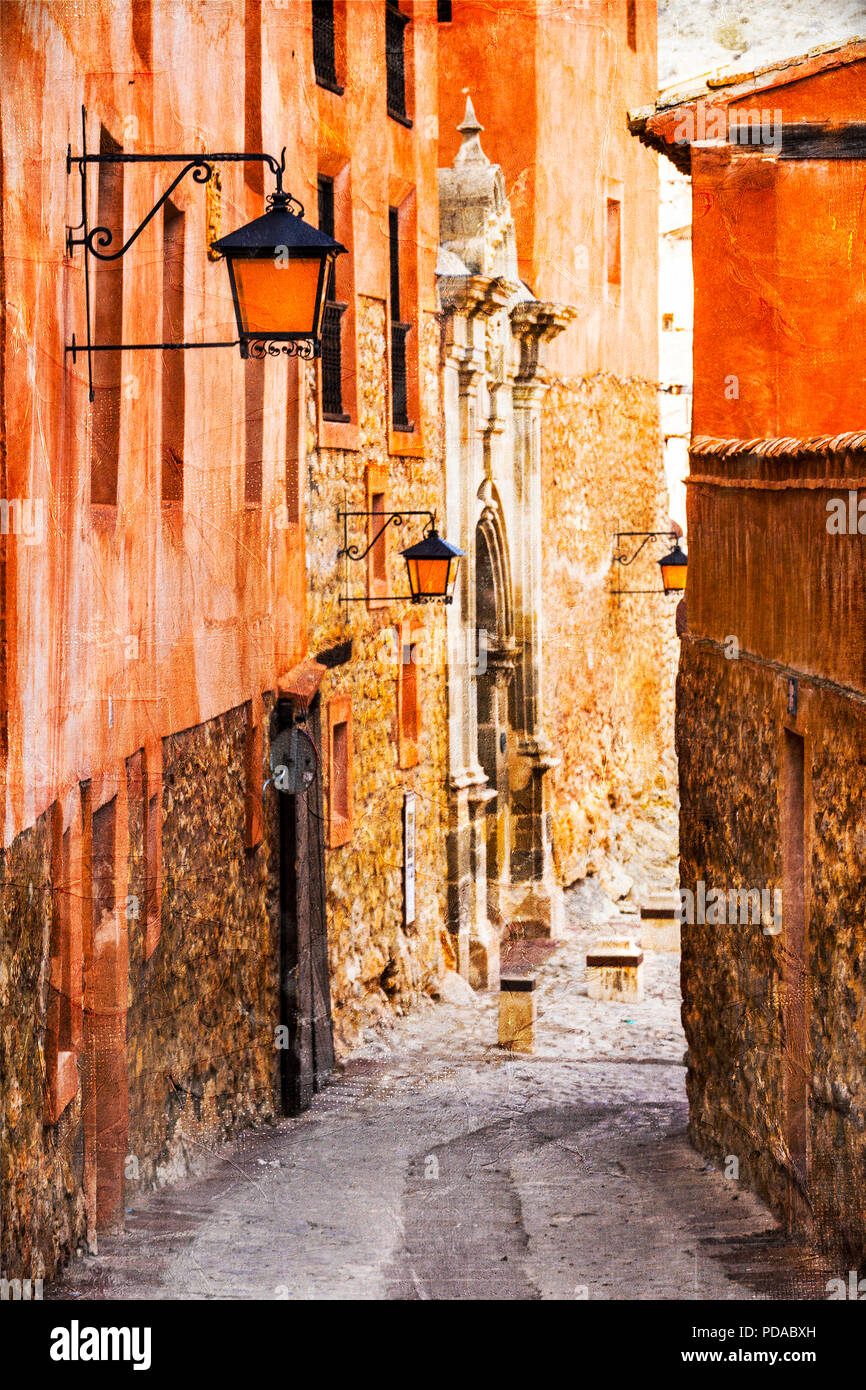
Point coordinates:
[(437, 1167)]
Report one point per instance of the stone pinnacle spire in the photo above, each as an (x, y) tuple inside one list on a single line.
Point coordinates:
[(470, 128)]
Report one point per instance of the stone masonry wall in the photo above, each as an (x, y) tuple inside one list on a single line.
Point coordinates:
[(376, 966), (201, 1012), (609, 662), (42, 1212), (203, 1009), (729, 722)]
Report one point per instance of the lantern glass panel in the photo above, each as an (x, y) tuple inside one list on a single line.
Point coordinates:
[(277, 296), (674, 578), (427, 577)]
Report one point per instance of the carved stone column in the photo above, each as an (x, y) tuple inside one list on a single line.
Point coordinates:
[(536, 895), (468, 302)]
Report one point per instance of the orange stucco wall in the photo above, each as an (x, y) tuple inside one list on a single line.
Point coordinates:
[(564, 147), (172, 614), (775, 242)]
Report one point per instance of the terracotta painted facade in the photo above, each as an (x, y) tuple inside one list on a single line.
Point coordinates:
[(170, 570), (772, 684)]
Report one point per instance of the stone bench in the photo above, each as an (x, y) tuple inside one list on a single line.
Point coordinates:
[(517, 1011), (614, 971), (659, 923)]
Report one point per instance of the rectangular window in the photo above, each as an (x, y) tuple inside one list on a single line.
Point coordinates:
[(104, 825), (107, 293), (325, 46), (399, 333), (173, 365), (253, 753), (408, 710), (395, 61), (443, 11), (254, 429), (63, 1021), (152, 789), (667, 323), (340, 808), (295, 427), (631, 24), (253, 172), (614, 243), (332, 322), (141, 27), (340, 767), (379, 554)]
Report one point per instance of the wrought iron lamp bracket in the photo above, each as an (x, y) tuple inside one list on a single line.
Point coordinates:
[(354, 552), (625, 559), (647, 537), (97, 240)]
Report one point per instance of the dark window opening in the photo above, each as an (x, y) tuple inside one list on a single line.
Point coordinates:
[(173, 365), (107, 328), (379, 553), (254, 403), (103, 884), (141, 29), (409, 702), (324, 46), (294, 409), (631, 24), (443, 11), (340, 771), (253, 171), (399, 332), (332, 321), (395, 61)]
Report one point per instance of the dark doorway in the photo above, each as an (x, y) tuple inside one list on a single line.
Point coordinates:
[(105, 1057), (305, 994), (795, 982)]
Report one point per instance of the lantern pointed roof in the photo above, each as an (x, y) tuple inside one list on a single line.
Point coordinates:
[(277, 228)]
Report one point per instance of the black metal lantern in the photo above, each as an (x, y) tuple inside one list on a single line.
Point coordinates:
[(432, 566), (279, 267), (673, 568)]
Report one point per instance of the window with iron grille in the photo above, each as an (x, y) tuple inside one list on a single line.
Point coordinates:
[(631, 24), (443, 11), (395, 61), (332, 319), (399, 332), (324, 46)]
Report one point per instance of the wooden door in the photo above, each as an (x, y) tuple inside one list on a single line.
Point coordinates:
[(305, 994)]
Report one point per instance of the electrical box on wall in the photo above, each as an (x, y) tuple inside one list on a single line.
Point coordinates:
[(293, 761)]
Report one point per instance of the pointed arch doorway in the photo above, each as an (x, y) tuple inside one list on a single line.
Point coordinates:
[(496, 660)]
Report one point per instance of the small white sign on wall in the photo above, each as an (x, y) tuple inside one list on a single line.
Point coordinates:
[(408, 859)]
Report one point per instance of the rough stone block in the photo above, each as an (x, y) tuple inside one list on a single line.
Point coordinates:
[(517, 1013), (659, 924), (614, 971)]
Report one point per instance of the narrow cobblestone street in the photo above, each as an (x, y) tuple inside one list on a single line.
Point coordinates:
[(435, 1166)]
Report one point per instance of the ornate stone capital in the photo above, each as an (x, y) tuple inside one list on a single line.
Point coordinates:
[(534, 323), (539, 753), (476, 296)]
